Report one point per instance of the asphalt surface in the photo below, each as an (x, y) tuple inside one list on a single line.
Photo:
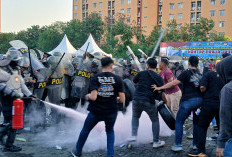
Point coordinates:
[(31, 149)]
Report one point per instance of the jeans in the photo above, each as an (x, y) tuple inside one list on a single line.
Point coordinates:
[(151, 110), (90, 123), (186, 107), (228, 148)]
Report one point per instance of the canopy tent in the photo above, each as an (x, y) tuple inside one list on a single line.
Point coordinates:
[(93, 48), (64, 47)]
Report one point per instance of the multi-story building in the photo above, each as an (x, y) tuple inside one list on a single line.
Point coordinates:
[(149, 13)]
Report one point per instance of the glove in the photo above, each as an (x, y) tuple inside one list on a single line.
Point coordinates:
[(15, 95), (33, 97)]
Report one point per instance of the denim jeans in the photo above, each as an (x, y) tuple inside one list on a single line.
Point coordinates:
[(186, 107), (90, 122), (228, 148)]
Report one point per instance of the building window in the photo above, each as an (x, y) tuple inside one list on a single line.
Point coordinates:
[(193, 16), (94, 5), (146, 7), (212, 13), (160, 9), (122, 1), (129, 2), (128, 10), (122, 11), (160, 20), (193, 6), (75, 7), (145, 17), (128, 20), (171, 6), (222, 1), (100, 4), (199, 5), (222, 12), (171, 16), (180, 5), (100, 13), (179, 26), (198, 16), (212, 2), (221, 24), (75, 15), (144, 26), (180, 16)]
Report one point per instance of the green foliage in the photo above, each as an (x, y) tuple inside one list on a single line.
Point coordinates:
[(112, 37), (50, 38), (5, 38)]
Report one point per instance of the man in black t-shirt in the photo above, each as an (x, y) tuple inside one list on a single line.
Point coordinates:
[(211, 85), (106, 90), (144, 100), (190, 101)]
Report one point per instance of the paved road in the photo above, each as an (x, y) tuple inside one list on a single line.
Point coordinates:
[(146, 150)]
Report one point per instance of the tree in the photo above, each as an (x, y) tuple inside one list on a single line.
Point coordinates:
[(30, 36), (50, 38), (5, 38), (172, 34), (78, 31)]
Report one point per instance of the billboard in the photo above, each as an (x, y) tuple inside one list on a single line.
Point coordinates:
[(203, 49)]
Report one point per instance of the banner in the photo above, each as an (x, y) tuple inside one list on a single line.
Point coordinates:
[(203, 49)]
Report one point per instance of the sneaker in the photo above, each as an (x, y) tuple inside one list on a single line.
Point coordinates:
[(75, 154), (132, 138), (12, 149), (189, 136), (196, 153), (194, 147), (177, 148), (158, 144)]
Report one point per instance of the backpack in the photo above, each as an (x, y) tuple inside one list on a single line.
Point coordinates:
[(195, 78)]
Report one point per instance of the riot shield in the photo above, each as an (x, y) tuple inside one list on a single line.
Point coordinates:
[(133, 58)]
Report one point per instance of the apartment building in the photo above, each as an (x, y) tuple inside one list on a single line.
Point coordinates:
[(149, 13)]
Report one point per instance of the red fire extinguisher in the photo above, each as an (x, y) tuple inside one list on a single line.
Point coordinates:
[(17, 114)]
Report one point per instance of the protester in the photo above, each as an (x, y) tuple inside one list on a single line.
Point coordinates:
[(191, 100), (224, 141), (144, 100), (206, 67), (173, 93), (12, 86), (211, 85), (106, 89), (224, 55)]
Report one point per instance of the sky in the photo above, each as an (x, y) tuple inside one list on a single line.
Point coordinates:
[(21, 14)]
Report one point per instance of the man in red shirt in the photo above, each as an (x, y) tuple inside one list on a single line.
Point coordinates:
[(174, 93)]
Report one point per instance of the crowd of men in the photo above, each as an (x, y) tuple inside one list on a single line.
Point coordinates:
[(60, 78)]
